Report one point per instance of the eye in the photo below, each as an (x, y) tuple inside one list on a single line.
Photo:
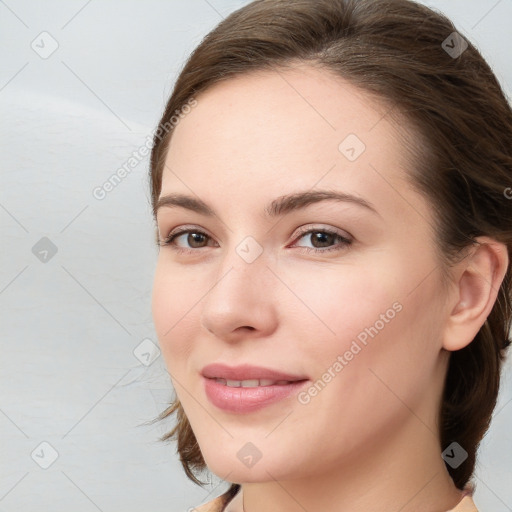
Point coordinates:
[(324, 238), (196, 238)]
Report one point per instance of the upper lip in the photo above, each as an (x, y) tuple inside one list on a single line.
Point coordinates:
[(246, 372)]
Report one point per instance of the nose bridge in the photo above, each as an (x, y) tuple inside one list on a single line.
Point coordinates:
[(243, 267), (239, 295)]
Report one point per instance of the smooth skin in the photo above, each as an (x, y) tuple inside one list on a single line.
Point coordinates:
[(368, 440)]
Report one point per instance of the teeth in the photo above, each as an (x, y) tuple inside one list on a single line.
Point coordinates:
[(253, 383), (250, 383)]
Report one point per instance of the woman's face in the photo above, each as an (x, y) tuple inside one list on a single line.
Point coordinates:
[(355, 327)]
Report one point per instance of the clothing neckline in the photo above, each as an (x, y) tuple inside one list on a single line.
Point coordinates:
[(466, 503)]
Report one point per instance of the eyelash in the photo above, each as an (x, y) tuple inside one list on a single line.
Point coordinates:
[(168, 242)]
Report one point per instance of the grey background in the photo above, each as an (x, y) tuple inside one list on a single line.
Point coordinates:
[(76, 327)]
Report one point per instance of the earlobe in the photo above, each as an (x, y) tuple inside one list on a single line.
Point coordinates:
[(480, 273)]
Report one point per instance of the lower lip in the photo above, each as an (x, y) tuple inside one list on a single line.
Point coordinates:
[(243, 400)]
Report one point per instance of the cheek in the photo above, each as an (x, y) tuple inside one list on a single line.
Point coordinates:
[(174, 316), (364, 392), (335, 304), (375, 318)]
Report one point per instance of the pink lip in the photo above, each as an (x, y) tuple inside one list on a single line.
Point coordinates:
[(243, 400)]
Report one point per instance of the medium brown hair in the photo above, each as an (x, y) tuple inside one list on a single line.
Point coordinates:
[(394, 50)]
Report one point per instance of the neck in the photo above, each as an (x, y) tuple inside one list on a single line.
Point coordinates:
[(384, 478)]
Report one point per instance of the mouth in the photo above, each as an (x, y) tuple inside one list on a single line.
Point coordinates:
[(244, 389), (248, 373), (252, 383)]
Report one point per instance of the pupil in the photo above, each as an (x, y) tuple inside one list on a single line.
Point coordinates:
[(193, 238), (321, 237)]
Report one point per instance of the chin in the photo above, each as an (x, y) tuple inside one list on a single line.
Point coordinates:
[(240, 475), (246, 464)]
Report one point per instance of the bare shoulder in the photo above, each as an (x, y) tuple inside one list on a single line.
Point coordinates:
[(214, 505)]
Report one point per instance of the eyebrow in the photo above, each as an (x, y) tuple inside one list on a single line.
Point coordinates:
[(278, 207)]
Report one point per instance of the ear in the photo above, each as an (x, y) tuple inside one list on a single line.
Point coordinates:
[(477, 280)]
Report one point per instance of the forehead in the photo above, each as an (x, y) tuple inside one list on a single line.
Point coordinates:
[(268, 133)]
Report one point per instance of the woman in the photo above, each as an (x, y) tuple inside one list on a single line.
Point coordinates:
[(333, 289)]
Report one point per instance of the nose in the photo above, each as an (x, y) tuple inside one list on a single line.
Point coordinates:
[(241, 299)]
